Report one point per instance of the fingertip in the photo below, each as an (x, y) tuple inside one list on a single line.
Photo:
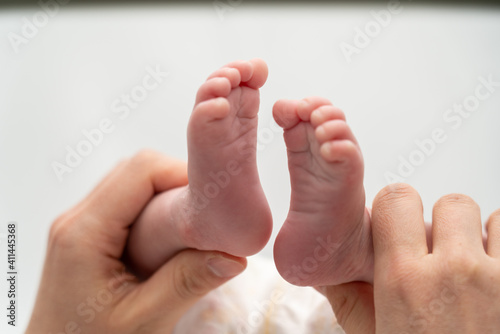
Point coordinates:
[(456, 222), (398, 226), (393, 192), (460, 200), (393, 201)]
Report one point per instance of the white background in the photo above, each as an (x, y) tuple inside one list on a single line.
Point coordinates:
[(395, 91)]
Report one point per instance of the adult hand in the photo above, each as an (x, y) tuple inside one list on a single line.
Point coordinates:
[(454, 289), (84, 286)]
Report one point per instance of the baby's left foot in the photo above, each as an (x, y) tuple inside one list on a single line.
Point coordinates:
[(224, 207), (326, 238), (225, 204)]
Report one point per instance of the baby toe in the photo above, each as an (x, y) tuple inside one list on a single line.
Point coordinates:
[(326, 113), (232, 74), (334, 130), (309, 104), (212, 88)]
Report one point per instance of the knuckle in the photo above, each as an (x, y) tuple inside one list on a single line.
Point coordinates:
[(188, 284), (399, 273), (61, 232), (343, 308), (346, 298), (143, 158), (463, 266), (116, 321)]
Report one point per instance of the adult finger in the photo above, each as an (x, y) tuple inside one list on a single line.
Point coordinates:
[(397, 224), (456, 224), (121, 196), (353, 306), (103, 218), (162, 300), (493, 227)]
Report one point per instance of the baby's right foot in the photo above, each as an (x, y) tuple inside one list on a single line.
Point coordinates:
[(326, 238)]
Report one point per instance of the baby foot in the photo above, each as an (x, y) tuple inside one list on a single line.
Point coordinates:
[(326, 238), (224, 206)]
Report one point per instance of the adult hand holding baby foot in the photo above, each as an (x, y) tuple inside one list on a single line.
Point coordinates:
[(452, 288), (84, 286), (326, 239)]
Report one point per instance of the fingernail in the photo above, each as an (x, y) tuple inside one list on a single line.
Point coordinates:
[(224, 267)]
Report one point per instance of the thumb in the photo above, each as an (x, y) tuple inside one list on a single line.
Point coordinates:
[(181, 282), (353, 306)]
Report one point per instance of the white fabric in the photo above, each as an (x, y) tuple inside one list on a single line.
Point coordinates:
[(260, 301)]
